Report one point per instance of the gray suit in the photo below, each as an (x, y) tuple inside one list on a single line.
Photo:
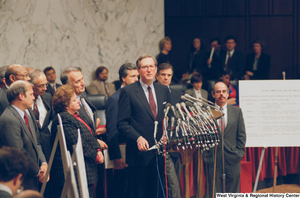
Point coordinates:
[(3, 100), (4, 194), (234, 150), (191, 92), (14, 133), (96, 87)]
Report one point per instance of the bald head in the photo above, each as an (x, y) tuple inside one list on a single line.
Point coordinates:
[(220, 93), (16, 72)]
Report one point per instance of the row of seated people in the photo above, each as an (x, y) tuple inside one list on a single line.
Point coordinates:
[(212, 64), (33, 106)]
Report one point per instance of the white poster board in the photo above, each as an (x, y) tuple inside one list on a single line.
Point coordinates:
[(271, 110)]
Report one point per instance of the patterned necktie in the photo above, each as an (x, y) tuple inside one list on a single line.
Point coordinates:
[(26, 122), (152, 103), (222, 121), (36, 113), (228, 59)]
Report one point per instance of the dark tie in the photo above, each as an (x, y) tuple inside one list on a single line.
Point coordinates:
[(26, 122), (228, 59), (152, 103), (36, 113), (106, 89), (85, 108), (222, 121)]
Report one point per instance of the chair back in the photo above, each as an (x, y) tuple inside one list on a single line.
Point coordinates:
[(99, 101)]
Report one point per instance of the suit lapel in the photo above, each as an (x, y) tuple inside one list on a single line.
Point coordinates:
[(142, 97), (23, 124), (230, 116), (159, 100)]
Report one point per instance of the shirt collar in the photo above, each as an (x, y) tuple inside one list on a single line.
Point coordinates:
[(5, 188), (144, 86), (224, 107)]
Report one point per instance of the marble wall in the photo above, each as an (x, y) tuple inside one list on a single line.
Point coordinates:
[(84, 33)]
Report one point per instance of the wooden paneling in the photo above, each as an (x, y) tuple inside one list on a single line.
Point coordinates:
[(283, 7), (259, 7), (194, 8), (279, 41), (182, 34), (222, 27), (236, 7), (173, 7), (214, 7), (275, 21)]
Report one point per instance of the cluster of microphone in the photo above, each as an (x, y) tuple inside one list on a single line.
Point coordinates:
[(188, 125)]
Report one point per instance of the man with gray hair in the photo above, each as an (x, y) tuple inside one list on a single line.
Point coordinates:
[(140, 105), (73, 76), (127, 74), (42, 108), (20, 131), (13, 73)]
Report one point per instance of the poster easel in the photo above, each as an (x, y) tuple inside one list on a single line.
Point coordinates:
[(70, 185)]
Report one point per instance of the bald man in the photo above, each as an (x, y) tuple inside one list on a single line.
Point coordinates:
[(13, 73)]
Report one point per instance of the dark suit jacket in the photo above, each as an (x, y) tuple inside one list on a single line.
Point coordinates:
[(263, 66), (89, 146), (113, 136), (3, 100), (175, 96), (236, 65), (84, 114), (15, 133), (135, 119), (191, 92), (44, 130), (234, 135), (50, 90)]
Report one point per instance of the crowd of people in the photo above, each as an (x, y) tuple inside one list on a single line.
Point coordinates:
[(30, 100)]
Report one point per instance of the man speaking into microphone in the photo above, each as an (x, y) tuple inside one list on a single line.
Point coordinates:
[(234, 134), (140, 105)]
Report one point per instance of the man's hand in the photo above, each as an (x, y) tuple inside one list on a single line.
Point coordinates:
[(98, 121), (101, 158), (102, 144), (43, 170), (120, 164), (209, 61), (100, 131), (142, 144), (249, 73)]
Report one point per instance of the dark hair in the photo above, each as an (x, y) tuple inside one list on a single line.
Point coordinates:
[(12, 163), (192, 49), (64, 77), (261, 42), (100, 70), (163, 66), (2, 71), (196, 78), (61, 98), (215, 39), (162, 42), (16, 88), (227, 72), (228, 38), (48, 69), (145, 55), (123, 71)]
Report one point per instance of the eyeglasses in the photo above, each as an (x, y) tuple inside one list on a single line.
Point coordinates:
[(43, 85), (151, 67), (23, 75)]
